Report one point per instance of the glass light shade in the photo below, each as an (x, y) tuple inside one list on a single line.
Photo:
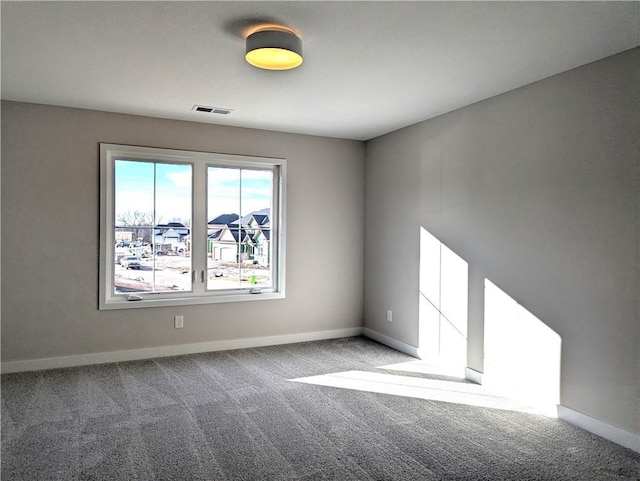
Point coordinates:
[(274, 50)]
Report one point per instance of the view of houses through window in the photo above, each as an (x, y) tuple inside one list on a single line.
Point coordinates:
[(153, 228), (239, 230)]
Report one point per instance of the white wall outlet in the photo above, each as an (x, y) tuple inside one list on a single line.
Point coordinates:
[(178, 322), (389, 315)]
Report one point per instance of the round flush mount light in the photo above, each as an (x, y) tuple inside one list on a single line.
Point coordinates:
[(274, 48)]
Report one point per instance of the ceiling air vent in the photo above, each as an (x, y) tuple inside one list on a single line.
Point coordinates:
[(211, 110)]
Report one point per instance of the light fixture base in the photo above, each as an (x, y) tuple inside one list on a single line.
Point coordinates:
[(274, 50)]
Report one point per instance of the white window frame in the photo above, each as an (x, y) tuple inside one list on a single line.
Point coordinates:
[(199, 161)]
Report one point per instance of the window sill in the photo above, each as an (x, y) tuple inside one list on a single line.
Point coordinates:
[(123, 303)]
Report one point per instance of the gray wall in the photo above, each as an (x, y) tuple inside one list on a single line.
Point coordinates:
[(50, 235), (537, 189)]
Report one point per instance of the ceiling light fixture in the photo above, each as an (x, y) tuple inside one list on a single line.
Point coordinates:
[(274, 48)]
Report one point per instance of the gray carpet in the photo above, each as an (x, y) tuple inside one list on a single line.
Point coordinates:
[(236, 415)]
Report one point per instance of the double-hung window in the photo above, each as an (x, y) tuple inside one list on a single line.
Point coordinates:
[(181, 227)]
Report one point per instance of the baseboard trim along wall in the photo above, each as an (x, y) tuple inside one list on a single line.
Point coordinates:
[(387, 341), (178, 350), (473, 375), (604, 430)]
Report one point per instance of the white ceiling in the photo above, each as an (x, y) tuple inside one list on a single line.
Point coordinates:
[(369, 67)]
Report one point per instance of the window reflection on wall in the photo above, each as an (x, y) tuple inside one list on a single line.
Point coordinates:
[(443, 303), (522, 354)]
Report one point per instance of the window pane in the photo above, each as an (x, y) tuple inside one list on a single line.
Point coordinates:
[(238, 206), (172, 233), (153, 220), (256, 199)]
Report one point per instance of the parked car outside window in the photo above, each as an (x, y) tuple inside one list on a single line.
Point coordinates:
[(130, 262)]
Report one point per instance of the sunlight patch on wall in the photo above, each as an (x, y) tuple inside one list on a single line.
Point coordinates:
[(443, 303), (522, 354)]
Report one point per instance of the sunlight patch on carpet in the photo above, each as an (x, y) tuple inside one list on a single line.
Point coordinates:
[(421, 388)]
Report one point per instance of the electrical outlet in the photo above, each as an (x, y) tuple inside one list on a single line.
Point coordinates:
[(178, 322), (389, 315)]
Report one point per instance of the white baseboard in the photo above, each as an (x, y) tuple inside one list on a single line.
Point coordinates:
[(387, 341), (165, 351), (473, 375), (604, 430)]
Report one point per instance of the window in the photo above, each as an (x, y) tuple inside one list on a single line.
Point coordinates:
[(180, 227)]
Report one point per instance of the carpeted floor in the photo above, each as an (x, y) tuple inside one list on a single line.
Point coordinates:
[(238, 415)]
